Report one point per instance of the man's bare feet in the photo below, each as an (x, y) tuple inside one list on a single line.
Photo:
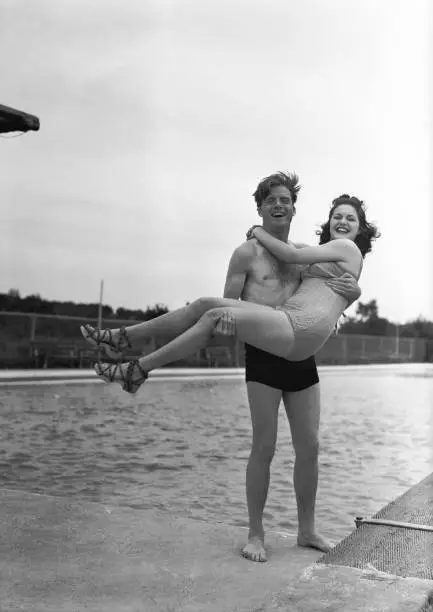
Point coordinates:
[(255, 550), (314, 540)]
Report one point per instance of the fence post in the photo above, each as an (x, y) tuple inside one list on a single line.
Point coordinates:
[(411, 351), (397, 341), (236, 353), (344, 348), (33, 328), (32, 334)]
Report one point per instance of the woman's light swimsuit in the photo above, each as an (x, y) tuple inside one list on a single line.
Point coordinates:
[(314, 309)]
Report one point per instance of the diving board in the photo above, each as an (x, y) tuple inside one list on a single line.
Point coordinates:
[(13, 120)]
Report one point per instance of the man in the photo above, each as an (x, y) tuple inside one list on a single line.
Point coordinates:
[(255, 275)]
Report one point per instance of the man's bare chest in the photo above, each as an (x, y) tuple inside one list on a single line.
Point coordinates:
[(268, 268)]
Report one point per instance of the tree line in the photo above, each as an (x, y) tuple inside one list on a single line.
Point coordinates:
[(367, 321), (13, 302)]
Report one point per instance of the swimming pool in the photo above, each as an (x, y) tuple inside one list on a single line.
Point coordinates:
[(182, 444)]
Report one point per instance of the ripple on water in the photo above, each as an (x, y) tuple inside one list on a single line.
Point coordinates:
[(183, 449)]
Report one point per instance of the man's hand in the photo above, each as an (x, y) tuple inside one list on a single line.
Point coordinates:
[(250, 232), (346, 286), (226, 324)]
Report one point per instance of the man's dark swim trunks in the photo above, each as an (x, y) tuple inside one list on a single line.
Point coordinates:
[(279, 373)]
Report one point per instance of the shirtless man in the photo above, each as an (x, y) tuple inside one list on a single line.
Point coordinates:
[(255, 275)]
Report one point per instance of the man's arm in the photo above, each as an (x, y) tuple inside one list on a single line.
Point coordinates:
[(234, 285), (237, 271), (345, 286)]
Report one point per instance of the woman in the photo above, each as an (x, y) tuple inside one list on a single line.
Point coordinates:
[(294, 331)]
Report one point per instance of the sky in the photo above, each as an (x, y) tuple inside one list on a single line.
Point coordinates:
[(159, 118)]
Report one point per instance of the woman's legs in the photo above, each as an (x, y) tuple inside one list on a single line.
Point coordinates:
[(260, 326), (172, 324), (264, 327)]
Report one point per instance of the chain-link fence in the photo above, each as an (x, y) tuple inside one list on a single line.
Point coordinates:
[(354, 348), (38, 340)]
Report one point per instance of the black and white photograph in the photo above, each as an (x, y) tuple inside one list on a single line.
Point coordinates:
[(216, 306)]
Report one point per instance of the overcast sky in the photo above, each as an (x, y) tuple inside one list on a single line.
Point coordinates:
[(159, 118)]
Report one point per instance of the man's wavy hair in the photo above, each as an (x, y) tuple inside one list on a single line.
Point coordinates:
[(367, 231), (286, 179)]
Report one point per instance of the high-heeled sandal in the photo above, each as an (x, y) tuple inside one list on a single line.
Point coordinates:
[(114, 348), (109, 371)]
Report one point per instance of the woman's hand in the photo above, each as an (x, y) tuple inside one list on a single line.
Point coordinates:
[(250, 232), (226, 324)]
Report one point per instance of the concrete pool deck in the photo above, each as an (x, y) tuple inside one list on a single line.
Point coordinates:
[(67, 556)]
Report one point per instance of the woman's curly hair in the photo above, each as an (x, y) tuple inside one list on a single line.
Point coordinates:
[(367, 231)]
